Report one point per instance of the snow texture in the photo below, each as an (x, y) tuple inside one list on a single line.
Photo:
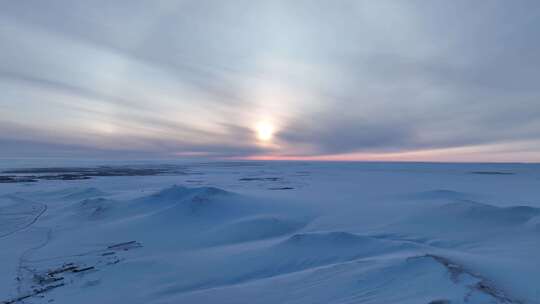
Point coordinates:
[(334, 233)]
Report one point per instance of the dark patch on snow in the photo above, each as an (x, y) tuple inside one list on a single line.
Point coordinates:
[(261, 179), (81, 173), (482, 285), (67, 273), (440, 302), (492, 173), (125, 246), (6, 179), (281, 188), (35, 292), (177, 192)]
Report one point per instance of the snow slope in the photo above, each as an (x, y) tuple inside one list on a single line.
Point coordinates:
[(277, 232)]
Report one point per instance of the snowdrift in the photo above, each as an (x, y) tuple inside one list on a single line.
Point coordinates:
[(298, 252), (178, 203), (94, 208), (251, 229)]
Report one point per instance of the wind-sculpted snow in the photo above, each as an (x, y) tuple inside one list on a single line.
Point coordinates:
[(386, 280), (94, 208), (295, 253), (251, 229), (470, 213), (65, 194), (534, 223), (178, 203), (487, 214), (17, 214), (348, 234), (440, 194), (336, 243), (84, 194), (178, 193)]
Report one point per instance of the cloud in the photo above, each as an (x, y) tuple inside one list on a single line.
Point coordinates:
[(170, 78)]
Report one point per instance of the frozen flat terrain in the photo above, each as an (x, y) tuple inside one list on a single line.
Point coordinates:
[(272, 232)]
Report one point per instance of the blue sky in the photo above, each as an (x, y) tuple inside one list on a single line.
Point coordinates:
[(365, 80)]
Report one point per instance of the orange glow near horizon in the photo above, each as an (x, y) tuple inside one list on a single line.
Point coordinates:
[(462, 154)]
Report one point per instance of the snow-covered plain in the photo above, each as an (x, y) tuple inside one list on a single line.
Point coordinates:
[(276, 232)]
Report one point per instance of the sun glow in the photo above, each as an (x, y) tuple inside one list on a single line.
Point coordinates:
[(265, 131)]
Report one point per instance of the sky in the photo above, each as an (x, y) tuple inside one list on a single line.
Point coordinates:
[(241, 79)]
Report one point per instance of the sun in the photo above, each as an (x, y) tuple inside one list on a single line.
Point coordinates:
[(265, 131)]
